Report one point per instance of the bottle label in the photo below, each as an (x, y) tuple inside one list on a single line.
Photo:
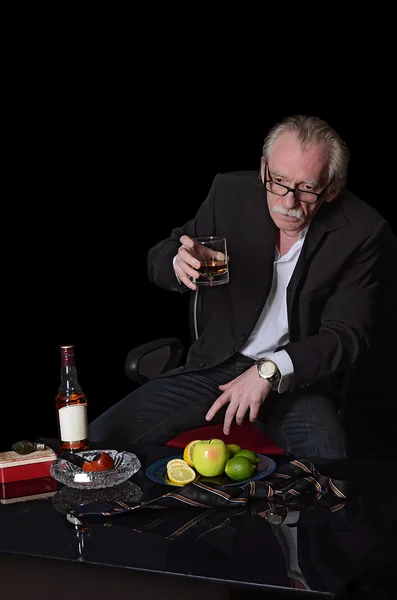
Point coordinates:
[(73, 423)]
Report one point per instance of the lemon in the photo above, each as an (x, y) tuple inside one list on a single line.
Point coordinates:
[(233, 449), (188, 452), (239, 468), (254, 458), (176, 462), (181, 475)]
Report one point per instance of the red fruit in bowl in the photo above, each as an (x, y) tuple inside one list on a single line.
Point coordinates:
[(101, 462)]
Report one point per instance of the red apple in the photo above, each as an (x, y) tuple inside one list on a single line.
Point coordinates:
[(210, 457)]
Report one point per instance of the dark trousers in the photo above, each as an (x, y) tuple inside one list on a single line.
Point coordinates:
[(305, 425)]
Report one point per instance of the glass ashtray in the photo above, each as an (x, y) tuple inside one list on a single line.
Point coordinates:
[(125, 465)]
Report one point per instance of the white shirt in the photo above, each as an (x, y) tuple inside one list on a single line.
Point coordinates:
[(271, 329)]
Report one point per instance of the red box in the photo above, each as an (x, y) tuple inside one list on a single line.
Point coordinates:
[(17, 467), (29, 489)]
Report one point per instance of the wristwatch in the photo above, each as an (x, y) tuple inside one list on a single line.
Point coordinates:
[(276, 515), (267, 369)]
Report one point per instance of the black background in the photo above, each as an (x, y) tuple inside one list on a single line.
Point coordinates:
[(113, 143)]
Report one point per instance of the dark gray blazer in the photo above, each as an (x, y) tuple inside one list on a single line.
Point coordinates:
[(332, 295)]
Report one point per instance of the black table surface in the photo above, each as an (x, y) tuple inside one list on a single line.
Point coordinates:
[(243, 554)]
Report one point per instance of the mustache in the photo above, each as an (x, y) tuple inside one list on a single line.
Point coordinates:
[(293, 212)]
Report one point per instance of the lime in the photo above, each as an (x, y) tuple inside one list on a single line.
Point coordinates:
[(254, 458), (233, 449), (239, 468)]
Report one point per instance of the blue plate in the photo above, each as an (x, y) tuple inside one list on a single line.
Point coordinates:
[(157, 472)]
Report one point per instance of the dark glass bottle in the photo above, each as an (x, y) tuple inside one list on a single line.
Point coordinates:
[(71, 406), (27, 447)]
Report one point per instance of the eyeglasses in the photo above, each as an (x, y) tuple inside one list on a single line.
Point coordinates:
[(300, 195)]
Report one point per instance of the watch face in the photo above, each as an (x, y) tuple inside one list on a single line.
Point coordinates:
[(267, 369), (277, 515), (274, 518)]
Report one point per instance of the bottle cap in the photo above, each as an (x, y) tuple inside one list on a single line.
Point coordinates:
[(67, 356)]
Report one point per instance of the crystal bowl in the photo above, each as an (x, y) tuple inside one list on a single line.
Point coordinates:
[(125, 465)]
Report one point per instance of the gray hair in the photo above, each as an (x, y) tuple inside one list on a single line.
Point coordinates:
[(313, 130)]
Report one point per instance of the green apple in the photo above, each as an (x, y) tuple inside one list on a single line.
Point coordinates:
[(210, 457)]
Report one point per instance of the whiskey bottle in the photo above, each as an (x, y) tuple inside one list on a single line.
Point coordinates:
[(71, 406)]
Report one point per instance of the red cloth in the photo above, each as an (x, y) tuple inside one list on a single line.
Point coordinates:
[(245, 435)]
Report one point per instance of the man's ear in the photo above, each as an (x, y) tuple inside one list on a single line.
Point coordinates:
[(263, 164), (331, 195)]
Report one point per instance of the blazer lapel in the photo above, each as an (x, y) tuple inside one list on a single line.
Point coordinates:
[(330, 217), (260, 238)]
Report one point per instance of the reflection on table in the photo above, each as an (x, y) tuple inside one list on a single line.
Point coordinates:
[(316, 550)]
